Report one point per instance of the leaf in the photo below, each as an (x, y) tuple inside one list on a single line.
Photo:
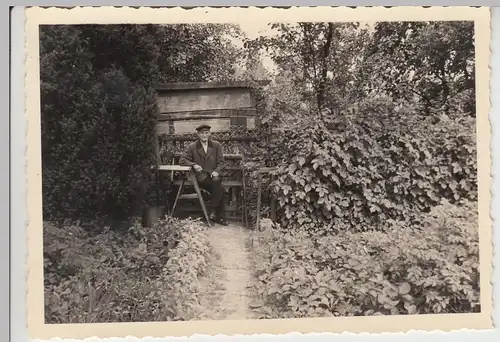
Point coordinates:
[(334, 286), (273, 289), (382, 299), (294, 301), (410, 308), (254, 304), (404, 288), (321, 291)]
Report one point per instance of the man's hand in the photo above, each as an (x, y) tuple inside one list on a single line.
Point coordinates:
[(197, 168), (215, 174)]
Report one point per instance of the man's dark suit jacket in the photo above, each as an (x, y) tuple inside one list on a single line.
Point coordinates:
[(213, 160)]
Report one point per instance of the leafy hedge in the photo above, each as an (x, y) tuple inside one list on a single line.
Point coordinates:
[(146, 274), (431, 268), (360, 169), (97, 155)]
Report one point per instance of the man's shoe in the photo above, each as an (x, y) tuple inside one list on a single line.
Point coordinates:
[(222, 222), (219, 221)]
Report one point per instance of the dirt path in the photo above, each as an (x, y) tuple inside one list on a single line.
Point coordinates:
[(225, 285)]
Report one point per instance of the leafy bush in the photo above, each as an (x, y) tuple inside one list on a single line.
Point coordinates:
[(147, 274), (357, 167), (432, 268), (188, 261)]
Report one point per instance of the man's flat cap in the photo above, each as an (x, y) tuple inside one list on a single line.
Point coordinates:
[(202, 127)]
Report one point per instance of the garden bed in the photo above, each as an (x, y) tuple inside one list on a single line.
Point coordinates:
[(144, 274), (402, 269)]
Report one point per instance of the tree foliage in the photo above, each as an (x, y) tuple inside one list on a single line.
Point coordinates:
[(430, 63), (336, 64), (353, 172)]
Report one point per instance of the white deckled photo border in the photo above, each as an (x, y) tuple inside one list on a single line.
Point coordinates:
[(377, 324)]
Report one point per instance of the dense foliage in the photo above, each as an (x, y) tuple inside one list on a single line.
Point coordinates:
[(432, 268), (354, 173), (144, 274)]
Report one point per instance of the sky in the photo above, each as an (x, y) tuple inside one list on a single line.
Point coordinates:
[(254, 30)]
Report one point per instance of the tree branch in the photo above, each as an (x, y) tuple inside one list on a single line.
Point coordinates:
[(324, 71)]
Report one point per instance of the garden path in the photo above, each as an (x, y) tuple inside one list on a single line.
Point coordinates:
[(225, 287)]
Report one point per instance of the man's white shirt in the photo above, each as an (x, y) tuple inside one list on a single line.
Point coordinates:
[(205, 146)]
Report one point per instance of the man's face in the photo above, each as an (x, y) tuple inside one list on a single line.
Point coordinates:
[(204, 134)]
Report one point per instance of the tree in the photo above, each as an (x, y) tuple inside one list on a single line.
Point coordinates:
[(69, 94), (378, 132), (198, 52), (430, 62), (324, 57), (164, 53)]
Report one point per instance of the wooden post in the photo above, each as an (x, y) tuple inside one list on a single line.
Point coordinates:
[(244, 191), (151, 215), (259, 190), (261, 172), (160, 189), (273, 203)]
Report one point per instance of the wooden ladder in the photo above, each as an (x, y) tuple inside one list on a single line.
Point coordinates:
[(197, 195), (180, 195)]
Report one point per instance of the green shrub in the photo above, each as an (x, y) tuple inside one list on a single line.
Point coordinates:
[(97, 142), (431, 268), (187, 263), (359, 169), (146, 274)]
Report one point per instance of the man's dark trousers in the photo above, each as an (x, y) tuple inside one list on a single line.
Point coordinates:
[(214, 186)]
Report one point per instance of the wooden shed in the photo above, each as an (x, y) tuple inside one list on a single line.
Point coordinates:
[(222, 105)]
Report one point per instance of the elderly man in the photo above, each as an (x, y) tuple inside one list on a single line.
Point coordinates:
[(206, 158)]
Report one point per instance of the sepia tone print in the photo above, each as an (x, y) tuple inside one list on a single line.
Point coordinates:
[(273, 170)]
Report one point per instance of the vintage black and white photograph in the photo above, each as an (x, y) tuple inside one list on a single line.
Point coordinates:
[(260, 170)]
